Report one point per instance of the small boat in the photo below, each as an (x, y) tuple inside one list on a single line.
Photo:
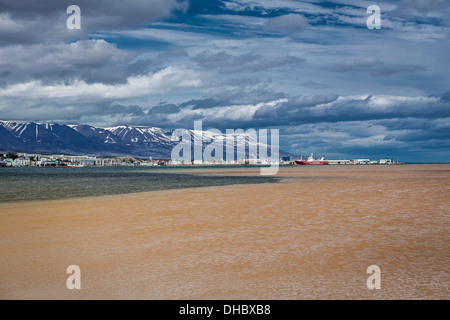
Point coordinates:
[(312, 161)]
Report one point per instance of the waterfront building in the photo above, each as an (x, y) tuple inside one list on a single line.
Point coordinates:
[(386, 161), (108, 162), (339, 162), (361, 161)]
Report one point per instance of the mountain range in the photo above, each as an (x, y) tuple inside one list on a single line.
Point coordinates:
[(134, 141)]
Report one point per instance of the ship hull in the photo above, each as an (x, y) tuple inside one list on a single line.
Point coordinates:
[(309, 163)]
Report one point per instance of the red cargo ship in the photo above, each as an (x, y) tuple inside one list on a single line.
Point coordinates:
[(312, 161)]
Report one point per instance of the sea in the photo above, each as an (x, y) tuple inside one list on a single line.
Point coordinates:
[(50, 183)]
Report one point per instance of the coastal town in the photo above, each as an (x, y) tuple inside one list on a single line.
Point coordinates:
[(13, 159)]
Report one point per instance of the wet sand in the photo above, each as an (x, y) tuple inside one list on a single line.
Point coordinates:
[(311, 236)]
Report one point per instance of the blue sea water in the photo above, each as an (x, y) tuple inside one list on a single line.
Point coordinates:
[(26, 184)]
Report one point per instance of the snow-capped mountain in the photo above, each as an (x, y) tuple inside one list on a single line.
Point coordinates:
[(99, 135), (7, 140), (135, 141), (43, 137), (141, 134)]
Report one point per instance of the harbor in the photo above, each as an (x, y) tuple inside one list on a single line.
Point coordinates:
[(12, 159)]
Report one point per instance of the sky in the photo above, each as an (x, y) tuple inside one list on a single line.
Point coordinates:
[(312, 69)]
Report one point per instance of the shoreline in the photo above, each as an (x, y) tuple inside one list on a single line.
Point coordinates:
[(228, 165), (221, 171), (107, 197)]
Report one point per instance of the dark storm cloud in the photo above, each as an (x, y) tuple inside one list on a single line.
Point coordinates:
[(408, 8), (375, 67), (310, 109), (117, 109), (36, 44), (346, 66), (167, 108), (31, 21), (242, 94), (304, 110), (204, 103), (24, 30), (412, 131), (422, 134), (390, 69), (90, 60), (249, 62), (64, 113), (445, 97), (175, 52), (409, 123), (357, 109), (315, 85)]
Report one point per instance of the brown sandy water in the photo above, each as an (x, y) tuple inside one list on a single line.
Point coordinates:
[(311, 236)]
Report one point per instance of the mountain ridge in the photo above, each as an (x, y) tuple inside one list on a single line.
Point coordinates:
[(117, 141)]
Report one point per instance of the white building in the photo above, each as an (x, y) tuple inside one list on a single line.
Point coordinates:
[(108, 162), (361, 161), (21, 162), (386, 161), (339, 161)]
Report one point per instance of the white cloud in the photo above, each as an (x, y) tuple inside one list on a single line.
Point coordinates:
[(166, 80), (287, 23), (236, 113), (7, 24)]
